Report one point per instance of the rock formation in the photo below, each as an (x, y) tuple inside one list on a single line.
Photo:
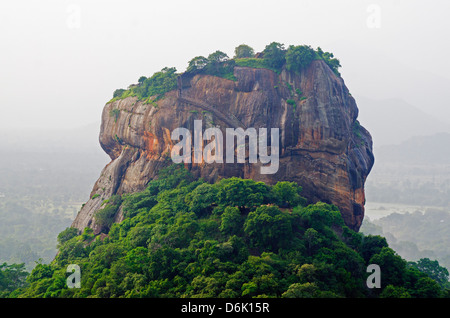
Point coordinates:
[(322, 146)]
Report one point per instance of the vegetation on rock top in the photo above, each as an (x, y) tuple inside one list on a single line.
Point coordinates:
[(274, 57)]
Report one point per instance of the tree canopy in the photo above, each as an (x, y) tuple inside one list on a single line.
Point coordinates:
[(183, 237), (274, 57), (243, 51)]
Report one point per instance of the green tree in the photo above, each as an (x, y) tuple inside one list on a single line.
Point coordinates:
[(242, 192), (243, 51), (201, 199), (88, 234), (118, 92), (141, 80), (158, 84), (330, 60), (372, 244), (245, 247), (39, 272), (299, 57), (105, 216), (426, 288), (197, 63), (433, 270), (392, 267), (231, 221), (66, 235), (217, 57), (220, 65), (287, 194), (312, 238), (274, 54), (391, 291), (306, 290), (12, 276), (268, 227), (319, 215)]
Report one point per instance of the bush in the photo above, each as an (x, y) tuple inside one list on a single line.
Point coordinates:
[(105, 217), (274, 54), (197, 64), (231, 221), (299, 57), (158, 84), (118, 92), (287, 194), (330, 60), (243, 51), (291, 102), (268, 227), (66, 235)]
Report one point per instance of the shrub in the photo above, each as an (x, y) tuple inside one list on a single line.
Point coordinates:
[(330, 60), (105, 217), (299, 57), (66, 235), (231, 221), (197, 63), (291, 102), (118, 92), (243, 51), (268, 227), (274, 54)]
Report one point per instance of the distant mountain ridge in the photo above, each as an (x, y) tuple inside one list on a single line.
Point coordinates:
[(392, 121)]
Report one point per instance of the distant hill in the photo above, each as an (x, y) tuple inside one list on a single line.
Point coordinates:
[(427, 150), (416, 171), (81, 139), (392, 121), (415, 235), (372, 73)]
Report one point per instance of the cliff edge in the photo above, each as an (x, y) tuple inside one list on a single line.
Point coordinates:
[(322, 145)]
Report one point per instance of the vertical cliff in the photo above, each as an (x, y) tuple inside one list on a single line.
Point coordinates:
[(322, 145)]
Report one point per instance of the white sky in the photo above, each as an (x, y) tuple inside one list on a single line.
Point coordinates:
[(60, 61)]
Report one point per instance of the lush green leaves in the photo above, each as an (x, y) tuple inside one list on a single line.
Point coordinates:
[(183, 237), (274, 57), (243, 51), (12, 277), (274, 54), (299, 57)]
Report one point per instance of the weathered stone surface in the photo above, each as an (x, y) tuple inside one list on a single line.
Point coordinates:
[(323, 148)]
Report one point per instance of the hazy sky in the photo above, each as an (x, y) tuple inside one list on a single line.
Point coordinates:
[(61, 60)]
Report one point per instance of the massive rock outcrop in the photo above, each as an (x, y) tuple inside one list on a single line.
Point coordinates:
[(322, 145)]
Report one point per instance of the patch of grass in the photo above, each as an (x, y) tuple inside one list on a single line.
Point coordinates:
[(255, 63), (229, 76)]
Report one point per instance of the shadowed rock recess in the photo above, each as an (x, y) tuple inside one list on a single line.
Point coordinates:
[(322, 145)]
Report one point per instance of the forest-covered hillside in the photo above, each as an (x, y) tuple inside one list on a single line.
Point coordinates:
[(183, 237)]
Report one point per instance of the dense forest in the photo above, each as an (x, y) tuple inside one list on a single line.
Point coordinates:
[(183, 237)]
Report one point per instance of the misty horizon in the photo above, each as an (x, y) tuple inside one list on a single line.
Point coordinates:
[(62, 60)]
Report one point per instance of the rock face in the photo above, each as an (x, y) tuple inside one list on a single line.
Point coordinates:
[(322, 146)]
